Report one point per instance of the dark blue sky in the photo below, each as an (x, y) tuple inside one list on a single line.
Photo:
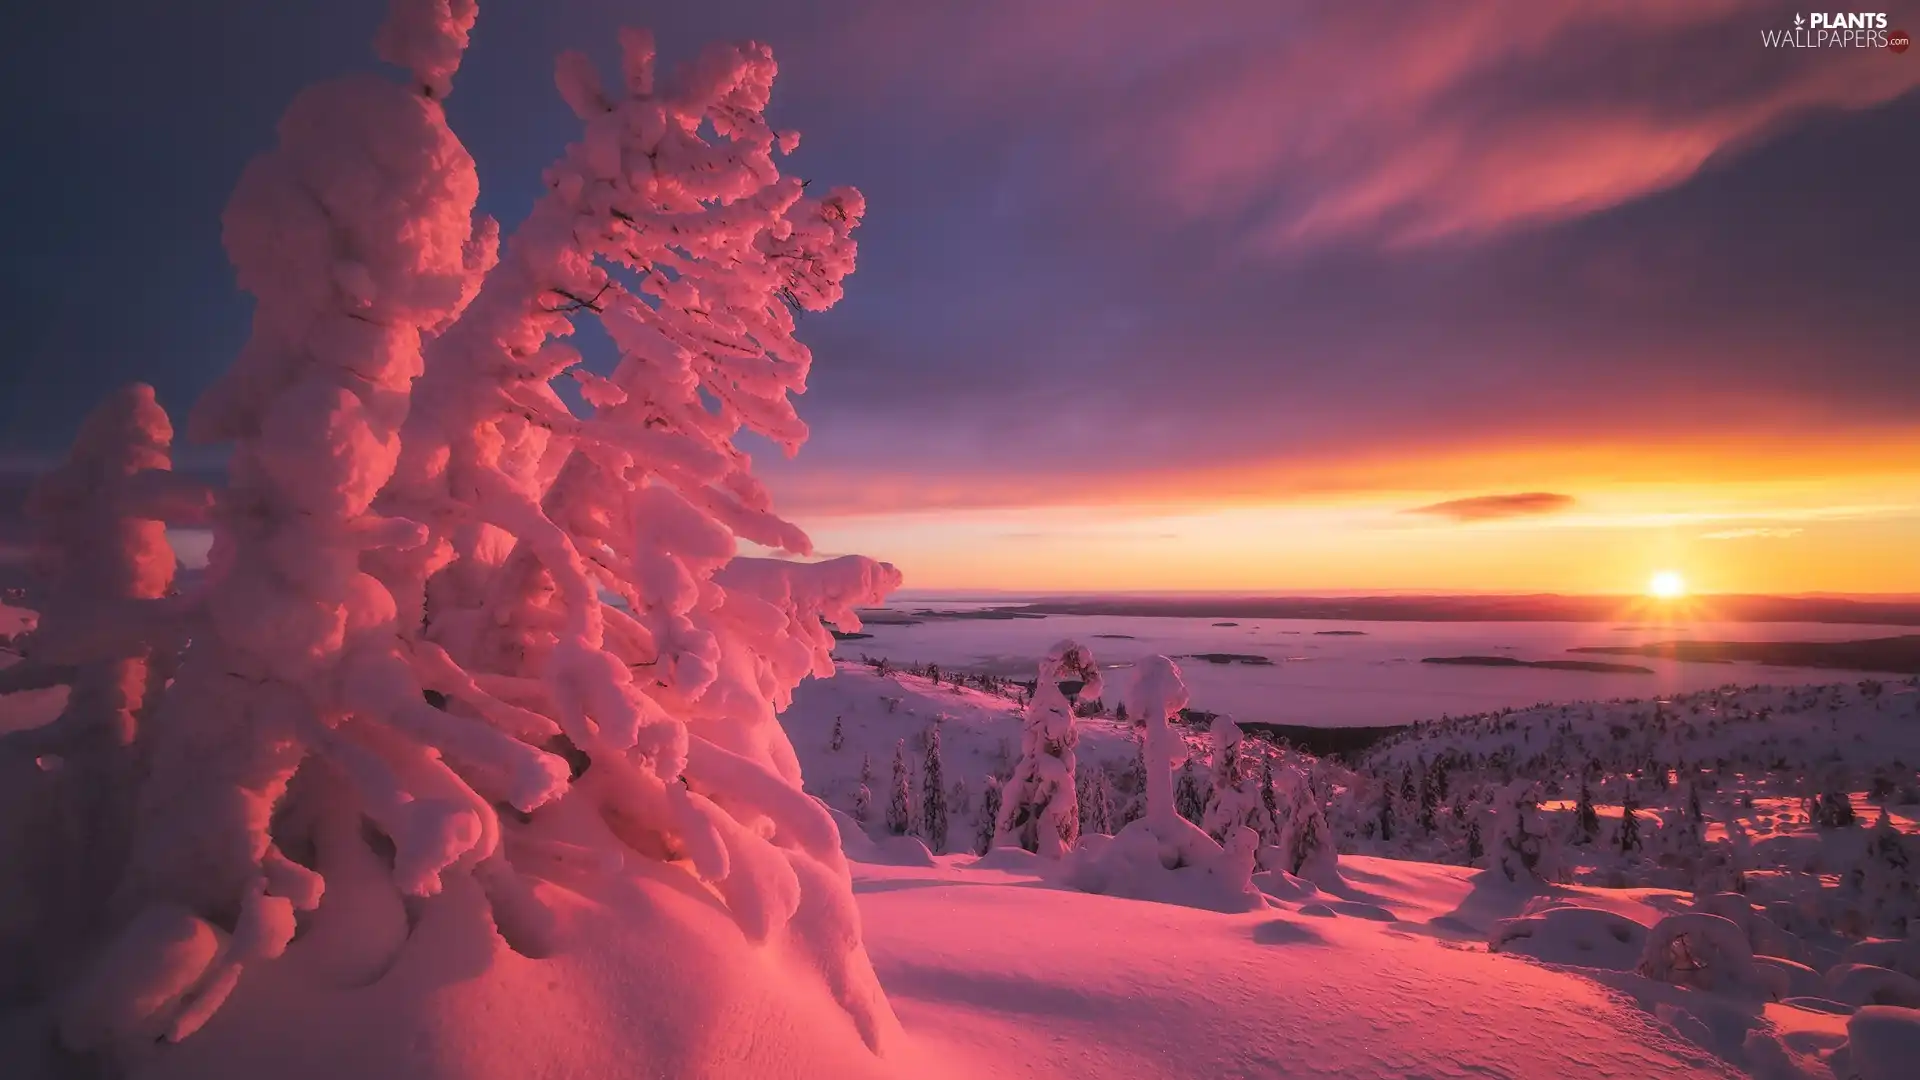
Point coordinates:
[(1125, 239)]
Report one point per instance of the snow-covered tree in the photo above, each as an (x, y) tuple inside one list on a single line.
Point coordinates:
[(1233, 797), (1884, 882), (900, 793), (356, 237), (1188, 798), (1833, 806), (1039, 810), (863, 804), (1586, 821), (412, 510), (1627, 839), (1523, 847), (989, 815), (933, 796), (1304, 837), (1096, 802), (1429, 803), (1133, 784), (1161, 855), (839, 737), (109, 635), (1386, 814), (1267, 801)]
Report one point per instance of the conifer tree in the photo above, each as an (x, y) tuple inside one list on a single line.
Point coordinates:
[(989, 814), (1266, 789), (1586, 820), (1040, 810), (839, 738), (1095, 802), (899, 813), (1629, 836), (1429, 802), (1386, 815), (1188, 800), (933, 797)]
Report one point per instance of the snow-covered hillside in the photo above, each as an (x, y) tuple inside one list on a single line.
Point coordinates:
[(1398, 966)]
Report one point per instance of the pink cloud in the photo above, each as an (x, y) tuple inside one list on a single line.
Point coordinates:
[(1393, 123), (1498, 507)]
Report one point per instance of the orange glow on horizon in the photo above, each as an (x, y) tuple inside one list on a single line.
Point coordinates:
[(1790, 513)]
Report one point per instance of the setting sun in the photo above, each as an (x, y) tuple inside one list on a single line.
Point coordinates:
[(1667, 585)]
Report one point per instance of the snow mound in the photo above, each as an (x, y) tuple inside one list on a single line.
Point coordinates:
[(1576, 936), (1706, 952), (1166, 862), (649, 970), (1902, 956), (1864, 984), (1883, 1042)]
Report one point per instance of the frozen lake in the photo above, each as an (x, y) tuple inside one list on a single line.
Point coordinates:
[(1370, 677)]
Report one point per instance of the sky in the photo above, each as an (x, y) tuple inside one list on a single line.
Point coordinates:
[(1516, 295)]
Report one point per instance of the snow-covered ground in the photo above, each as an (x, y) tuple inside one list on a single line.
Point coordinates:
[(997, 973), (1341, 674), (1402, 967)]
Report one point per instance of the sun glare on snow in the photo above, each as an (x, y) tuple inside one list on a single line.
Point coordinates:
[(1667, 585)]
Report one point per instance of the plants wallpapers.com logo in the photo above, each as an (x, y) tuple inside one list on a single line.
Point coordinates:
[(1838, 30)]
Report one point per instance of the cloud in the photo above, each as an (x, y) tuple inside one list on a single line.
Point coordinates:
[(1396, 124), (1497, 507), (1752, 534)]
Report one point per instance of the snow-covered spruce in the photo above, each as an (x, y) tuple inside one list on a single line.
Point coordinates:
[(1305, 843), (900, 796), (402, 675), (108, 633), (1039, 808), (1233, 796), (1885, 885), (1523, 847), (933, 796), (355, 235)]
